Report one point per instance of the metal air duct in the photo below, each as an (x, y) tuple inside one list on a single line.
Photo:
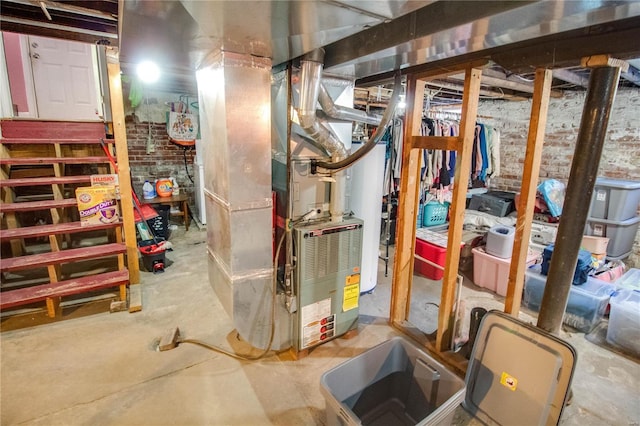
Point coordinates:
[(310, 75), (234, 97), (345, 113)]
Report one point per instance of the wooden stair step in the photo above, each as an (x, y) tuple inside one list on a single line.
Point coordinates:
[(64, 256), (53, 160), (39, 129), (29, 206), (55, 229), (49, 141), (4, 183), (69, 287)]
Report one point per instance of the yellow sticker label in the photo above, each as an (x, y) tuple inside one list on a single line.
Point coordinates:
[(351, 296), (508, 381)]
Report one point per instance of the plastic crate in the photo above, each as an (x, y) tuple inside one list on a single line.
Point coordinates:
[(432, 252), (621, 234), (586, 305), (394, 383), (492, 272), (624, 321), (434, 213), (614, 199)]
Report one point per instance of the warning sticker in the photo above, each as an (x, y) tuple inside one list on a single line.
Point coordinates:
[(317, 323), (508, 381), (352, 279), (351, 293), (316, 311)]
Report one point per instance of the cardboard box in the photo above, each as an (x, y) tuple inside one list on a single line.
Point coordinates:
[(97, 205), (107, 180)]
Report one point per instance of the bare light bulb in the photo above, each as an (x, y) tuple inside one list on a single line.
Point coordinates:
[(148, 72)]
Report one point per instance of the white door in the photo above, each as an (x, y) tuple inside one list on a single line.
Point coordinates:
[(64, 79)]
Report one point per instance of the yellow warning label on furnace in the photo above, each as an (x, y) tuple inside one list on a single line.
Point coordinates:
[(351, 295), (508, 381)]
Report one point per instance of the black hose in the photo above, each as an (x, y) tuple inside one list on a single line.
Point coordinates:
[(375, 138), (186, 169)]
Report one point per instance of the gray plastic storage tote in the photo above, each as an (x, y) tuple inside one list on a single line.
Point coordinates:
[(394, 383), (517, 375), (614, 199)]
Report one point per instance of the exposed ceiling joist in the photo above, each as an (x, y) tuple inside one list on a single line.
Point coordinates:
[(64, 7), (499, 79), (483, 92), (54, 26), (562, 50), (632, 75), (571, 77), (418, 25), (87, 21)]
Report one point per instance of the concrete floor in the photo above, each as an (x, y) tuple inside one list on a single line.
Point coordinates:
[(103, 369)]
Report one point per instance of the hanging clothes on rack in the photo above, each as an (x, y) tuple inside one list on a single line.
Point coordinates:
[(439, 166), (494, 152), (485, 161), (393, 163), (398, 138)]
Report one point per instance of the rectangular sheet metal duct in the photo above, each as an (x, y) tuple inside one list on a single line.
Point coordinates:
[(235, 113)]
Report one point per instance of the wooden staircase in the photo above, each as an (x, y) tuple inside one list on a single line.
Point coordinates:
[(41, 164)]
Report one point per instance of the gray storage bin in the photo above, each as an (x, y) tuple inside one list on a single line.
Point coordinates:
[(615, 199), (394, 383), (490, 204), (621, 234)]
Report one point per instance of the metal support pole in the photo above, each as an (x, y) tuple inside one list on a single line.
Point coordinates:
[(584, 168)]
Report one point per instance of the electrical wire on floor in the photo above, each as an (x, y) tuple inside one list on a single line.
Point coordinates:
[(273, 319)]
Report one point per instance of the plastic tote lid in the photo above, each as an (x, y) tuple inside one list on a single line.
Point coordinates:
[(517, 373), (617, 183)]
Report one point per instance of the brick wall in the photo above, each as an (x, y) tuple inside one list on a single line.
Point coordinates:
[(166, 158), (621, 154)]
